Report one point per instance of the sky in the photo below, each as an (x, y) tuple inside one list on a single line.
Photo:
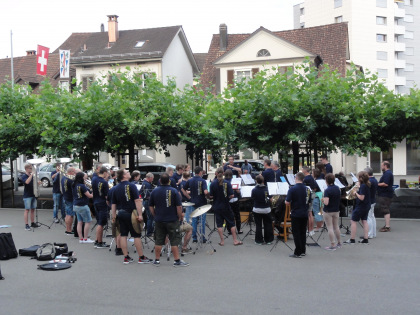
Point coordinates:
[(50, 22)]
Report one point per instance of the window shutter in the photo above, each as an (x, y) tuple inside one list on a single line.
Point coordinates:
[(84, 83), (218, 88), (230, 76), (255, 71)]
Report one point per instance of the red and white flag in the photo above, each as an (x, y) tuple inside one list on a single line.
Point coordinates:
[(42, 60)]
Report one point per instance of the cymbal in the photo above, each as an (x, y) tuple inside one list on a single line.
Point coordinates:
[(136, 224), (200, 211), (188, 204)]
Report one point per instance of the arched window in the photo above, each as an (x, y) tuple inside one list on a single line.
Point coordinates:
[(263, 53)]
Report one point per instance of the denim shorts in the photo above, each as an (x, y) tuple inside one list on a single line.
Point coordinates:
[(30, 203), (83, 213), (69, 208)]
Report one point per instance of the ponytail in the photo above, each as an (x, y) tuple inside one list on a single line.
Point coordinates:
[(219, 173)]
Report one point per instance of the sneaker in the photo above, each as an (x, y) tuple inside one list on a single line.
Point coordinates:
[(369, 237), (338, 245), (68, 233), (195, 240), (118, 252), (145, 260), (268, 243), (256, 243), (350, 242), (302, 255), (186, 251), (156, 263), (204, 240), (88, 241), (34, 225), (385, 229), (294, 256), (330, 248), (101, 245), (181, 263), (364, 241), (96, 243), (81, 241), (127, 260), (27, 227), (56, 220), (240, 232)]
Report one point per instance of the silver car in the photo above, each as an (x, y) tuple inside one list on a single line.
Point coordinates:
[(44, 174)]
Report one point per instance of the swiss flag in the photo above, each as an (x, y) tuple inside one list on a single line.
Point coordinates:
[(42, 60)]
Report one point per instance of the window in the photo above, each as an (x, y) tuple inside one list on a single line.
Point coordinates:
[(376, 158), (263, 53), (409, 35), (86, 82), (381, 38), (243, 75), (381, 3), (381, 55), (139, 44), (413, 157), (338, 3), (240, 75), (302, 11), (409, 18), (409, 67), (338, 19), (382, 73), (380, 20), (409, 84), (409, 51)]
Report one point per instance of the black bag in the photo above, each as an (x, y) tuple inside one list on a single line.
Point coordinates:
[(7, 246), (61, 248), (45, 252), (29, 251), (54, 266)]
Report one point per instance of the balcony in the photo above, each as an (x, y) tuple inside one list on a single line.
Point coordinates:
[(399, 64), (399, 46), (399, 13), (399, 29), (400, 80)]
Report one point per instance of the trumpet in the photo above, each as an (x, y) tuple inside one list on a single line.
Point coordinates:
[(351, 194)]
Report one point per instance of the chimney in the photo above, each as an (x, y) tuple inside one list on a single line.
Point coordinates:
[(30, 52), (223, 37), (102, 28), (112, 28)]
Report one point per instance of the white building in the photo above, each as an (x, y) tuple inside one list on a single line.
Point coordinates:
[(383, 40)]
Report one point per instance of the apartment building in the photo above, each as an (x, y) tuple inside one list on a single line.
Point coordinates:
[(384, 39)]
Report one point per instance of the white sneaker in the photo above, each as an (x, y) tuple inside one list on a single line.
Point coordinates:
[(88, 241)]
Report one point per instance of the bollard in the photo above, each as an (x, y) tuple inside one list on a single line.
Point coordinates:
[(1, 277)]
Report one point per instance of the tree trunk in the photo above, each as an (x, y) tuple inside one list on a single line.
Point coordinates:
[(295, 149), (131, 158), (315, 153)]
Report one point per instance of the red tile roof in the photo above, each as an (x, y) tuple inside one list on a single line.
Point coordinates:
[(330, 42)]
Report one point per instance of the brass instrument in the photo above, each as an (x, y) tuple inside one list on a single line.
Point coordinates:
[(274, 201), (35, 163), (62, 174), (88, 184), (351, 194)]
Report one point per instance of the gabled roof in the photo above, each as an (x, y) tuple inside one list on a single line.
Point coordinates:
[(98, 49), (200, 58), (330, 42), (24, 69)]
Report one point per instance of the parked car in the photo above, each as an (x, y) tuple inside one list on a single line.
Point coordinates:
[(257, 166), (156, 169), (44, 174), (6, 172)]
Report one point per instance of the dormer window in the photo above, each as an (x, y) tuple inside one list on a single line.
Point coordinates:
[(263, 53), (139, 44)]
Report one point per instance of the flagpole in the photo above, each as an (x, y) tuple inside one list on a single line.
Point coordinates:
[(16, 182)]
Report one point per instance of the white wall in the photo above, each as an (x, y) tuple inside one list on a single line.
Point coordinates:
[(176, 64)]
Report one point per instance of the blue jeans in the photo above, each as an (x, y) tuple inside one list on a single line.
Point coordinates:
[(195, 222), (58, 204), (83, 213), (315, 209), (188, 211)]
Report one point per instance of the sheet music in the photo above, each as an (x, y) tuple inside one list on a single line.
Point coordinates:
[(246, 191), (322, 184), (248, 180), (236, 181), (291, 179), (338, 183), (354, 178), (277, 188)]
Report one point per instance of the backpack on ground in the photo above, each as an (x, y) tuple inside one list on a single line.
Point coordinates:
[(46, 252), (29, 251), (61, 248), (7, 246)]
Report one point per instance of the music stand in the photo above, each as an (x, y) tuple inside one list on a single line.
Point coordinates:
[(248, 222)]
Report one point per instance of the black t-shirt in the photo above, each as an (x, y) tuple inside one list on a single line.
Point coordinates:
[(221, 194), (260, 196), (299, 196), (56, 183), (79, 197), (66, 184), (269, 175), (165, 199), (310, 181), (176, 177), (234, 172), (388, 179), (28, 189), (197, 186), (365, 203), (145, 190), (334, 195), (373, 189), (328, 168), (100, 190), (124, 196)]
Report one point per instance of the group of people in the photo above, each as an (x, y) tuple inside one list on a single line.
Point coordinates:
[(306, 203)]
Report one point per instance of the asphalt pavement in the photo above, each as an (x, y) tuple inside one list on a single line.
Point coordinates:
[(379, 278)]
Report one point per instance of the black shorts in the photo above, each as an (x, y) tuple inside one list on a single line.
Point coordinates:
[(102, 213), (124, 219), (172, 229), (384, 204), (359, 214), (224, 215)]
